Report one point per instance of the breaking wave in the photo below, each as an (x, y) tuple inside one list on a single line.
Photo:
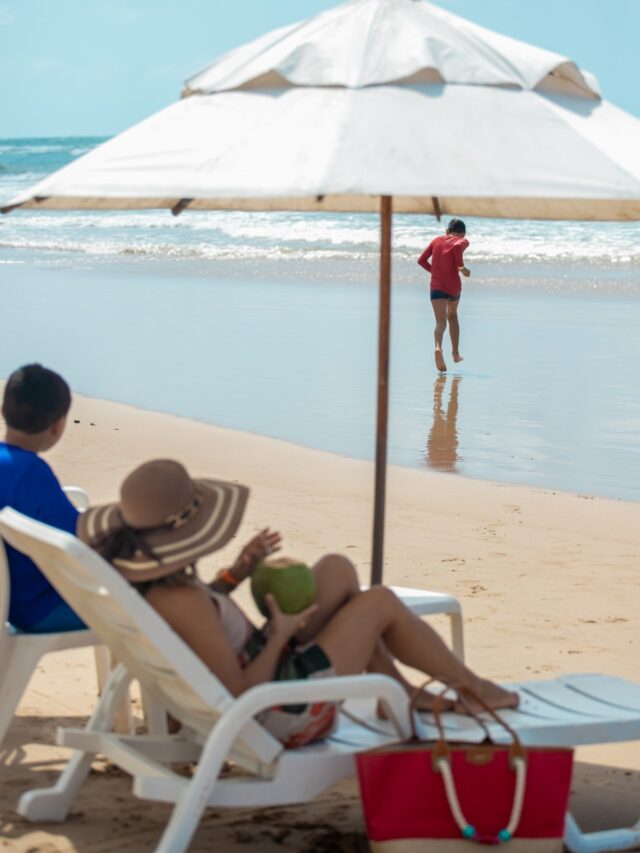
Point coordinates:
[(253, 236)]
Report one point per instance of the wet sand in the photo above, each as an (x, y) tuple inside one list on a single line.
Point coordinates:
[(547, 394)]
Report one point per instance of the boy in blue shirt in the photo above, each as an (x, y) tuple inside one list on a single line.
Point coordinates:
[(35, 407)]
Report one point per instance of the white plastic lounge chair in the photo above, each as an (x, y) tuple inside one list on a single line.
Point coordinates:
[(216, 727), (78, 497), (20, 652)]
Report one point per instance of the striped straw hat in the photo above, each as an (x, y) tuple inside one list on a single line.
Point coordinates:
[(164, 521)]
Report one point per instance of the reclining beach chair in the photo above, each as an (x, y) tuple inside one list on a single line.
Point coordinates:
[(20, 652), (218, 727)]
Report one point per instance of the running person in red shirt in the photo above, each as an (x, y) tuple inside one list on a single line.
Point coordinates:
[(446, 265)]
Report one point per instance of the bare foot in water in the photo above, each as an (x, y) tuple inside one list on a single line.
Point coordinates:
[(457, 357), (495, 696), (440, 361)]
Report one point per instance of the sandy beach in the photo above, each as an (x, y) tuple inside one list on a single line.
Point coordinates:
[(547, 581), (213, 236)]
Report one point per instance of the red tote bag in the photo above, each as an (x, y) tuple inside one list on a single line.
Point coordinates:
[(421, 797)]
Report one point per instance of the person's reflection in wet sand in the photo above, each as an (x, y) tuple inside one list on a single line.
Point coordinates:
[(442, 444)]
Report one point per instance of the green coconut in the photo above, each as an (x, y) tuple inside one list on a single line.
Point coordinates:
[(291, 582)]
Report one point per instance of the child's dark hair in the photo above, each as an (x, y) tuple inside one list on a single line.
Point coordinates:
[(456, 226), (34, 399)]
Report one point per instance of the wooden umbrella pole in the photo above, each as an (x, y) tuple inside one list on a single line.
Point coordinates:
[(383, 389)]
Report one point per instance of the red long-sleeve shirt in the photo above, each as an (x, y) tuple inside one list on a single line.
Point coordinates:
[(446, 253)]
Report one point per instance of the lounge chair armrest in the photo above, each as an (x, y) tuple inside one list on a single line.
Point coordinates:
[(78, 497), (370, 686)]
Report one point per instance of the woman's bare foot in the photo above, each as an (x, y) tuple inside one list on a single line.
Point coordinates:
[(494, 696), (440, 364), (457, 357)]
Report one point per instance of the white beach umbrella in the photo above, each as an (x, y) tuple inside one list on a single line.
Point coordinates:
[(371, 100)]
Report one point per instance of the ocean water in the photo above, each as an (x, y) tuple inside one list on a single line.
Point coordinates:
[(268, 323), (337, 240)]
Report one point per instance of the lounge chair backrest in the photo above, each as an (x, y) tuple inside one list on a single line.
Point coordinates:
[(137, 636)]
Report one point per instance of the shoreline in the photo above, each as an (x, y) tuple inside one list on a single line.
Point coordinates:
[(297, 360), (439, 476), (425, 471), (588, 278), (547, 581)]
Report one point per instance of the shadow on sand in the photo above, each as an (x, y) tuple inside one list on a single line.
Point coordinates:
[(106, 816)]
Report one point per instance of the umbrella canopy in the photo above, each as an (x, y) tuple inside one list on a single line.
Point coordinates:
[(374, 97), (371, 100)]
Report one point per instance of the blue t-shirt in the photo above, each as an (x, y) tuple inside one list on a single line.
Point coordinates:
[(28, 485)]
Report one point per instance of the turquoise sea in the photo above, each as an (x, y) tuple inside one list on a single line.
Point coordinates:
[(268, 323)]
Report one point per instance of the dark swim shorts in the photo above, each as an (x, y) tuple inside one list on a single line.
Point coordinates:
[(442, 294), (296, 725)]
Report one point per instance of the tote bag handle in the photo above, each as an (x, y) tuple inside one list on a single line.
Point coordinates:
[(442, 763), (467, 830)]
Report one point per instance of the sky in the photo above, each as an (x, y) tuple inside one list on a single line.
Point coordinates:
[(94, 67)]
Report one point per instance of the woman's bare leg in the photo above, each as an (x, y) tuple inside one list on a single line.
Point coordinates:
[(350, 639), (336, 584)]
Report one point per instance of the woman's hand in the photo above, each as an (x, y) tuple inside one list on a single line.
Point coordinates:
[(284, 626), (266, 542)]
